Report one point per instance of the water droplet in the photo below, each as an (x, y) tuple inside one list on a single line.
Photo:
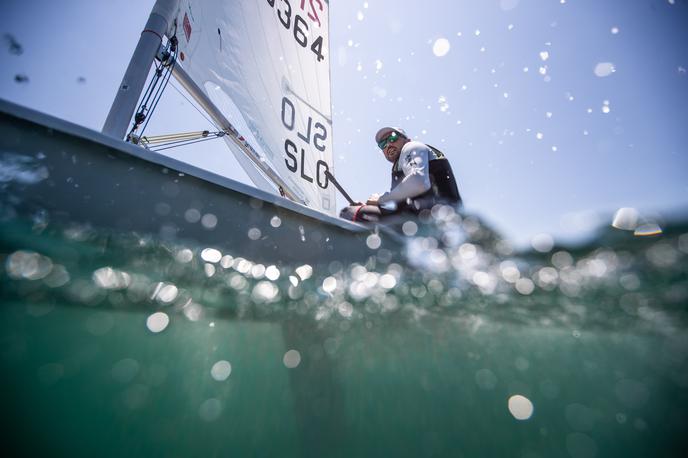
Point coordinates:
[(441, 47), (626, 219), (604, 69)]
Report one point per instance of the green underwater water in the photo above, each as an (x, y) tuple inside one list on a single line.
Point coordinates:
[(120, 344)]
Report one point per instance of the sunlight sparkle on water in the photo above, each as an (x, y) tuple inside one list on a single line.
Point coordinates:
[(226, 261), (304, 272), (192, 215), (265, 291), (211, 255), (520, 407), (184, 255), (109, 278), (542, 242), (221, 370), (254, 233), (165, 292), (272, 273), (510, 271), (125, 370), (387, 281), (525, 286), (210, 410), (157, 322), (28, 265), (409, 228), (373, 241), (485, 379), (292, 359), (209, 221), (329, 284)]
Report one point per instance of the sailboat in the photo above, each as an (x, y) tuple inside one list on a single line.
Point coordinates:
[(260, 72)]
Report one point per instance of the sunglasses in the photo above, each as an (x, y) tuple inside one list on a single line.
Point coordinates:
[(391, 138)]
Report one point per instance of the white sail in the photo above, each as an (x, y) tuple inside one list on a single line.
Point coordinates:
[(265, 65)]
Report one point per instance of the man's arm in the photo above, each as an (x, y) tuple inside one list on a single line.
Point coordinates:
[(414, 161)]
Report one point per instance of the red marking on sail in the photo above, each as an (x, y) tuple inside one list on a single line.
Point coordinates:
[(187, 27), (313, 14)]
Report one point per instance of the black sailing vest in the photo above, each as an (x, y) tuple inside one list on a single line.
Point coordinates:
[(443, 188)]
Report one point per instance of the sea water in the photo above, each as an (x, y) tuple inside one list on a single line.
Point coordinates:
[(126, 344)]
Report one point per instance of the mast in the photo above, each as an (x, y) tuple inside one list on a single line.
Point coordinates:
[(163, 15), (129, 90)]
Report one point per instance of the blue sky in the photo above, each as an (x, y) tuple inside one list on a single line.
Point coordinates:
[(542, 135)]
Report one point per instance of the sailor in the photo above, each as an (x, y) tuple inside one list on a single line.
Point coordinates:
[(421, 178)]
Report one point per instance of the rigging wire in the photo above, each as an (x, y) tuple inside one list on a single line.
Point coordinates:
[(194, 105), (161, 88), (162, 74)]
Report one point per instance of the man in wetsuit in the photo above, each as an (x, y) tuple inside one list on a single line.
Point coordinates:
[(421, 178)]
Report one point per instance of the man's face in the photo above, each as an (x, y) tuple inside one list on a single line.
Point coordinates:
[(392, 148)]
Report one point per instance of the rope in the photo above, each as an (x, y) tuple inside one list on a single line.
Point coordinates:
[(163, 72), (161, 88)]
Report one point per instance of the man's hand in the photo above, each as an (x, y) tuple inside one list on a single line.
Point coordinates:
[(373, 200)]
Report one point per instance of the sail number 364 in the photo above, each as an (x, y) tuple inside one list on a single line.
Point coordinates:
[(300, 26)]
